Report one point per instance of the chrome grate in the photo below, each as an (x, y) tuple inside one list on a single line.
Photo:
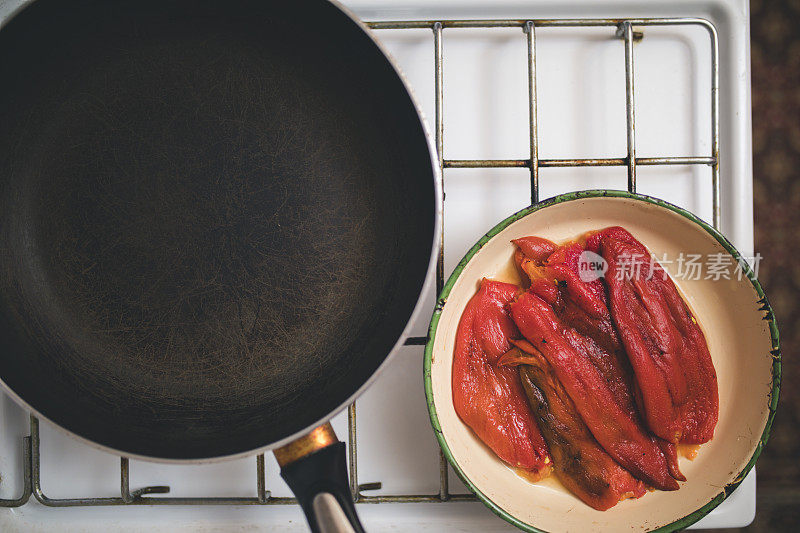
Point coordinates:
[(32, 483)]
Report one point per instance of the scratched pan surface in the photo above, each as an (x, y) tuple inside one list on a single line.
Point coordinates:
[(738, 325), (217, 217)]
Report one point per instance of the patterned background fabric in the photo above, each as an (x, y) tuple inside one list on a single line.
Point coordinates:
[(775, 52)]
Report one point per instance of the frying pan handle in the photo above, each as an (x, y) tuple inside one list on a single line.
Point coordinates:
[(315, 468)]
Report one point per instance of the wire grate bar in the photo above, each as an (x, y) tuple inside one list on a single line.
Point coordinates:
[(712, 32), (417, 498), (148, 495), (352, 450), (541, 23), (608, 162), (439, 88), (261, 480), (444, 482), (26, 477), (530, 31), (627, 33)]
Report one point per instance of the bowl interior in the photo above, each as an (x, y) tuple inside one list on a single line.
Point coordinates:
[(739, 338)]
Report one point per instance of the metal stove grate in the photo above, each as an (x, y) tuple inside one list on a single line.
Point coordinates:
[(32, 484)]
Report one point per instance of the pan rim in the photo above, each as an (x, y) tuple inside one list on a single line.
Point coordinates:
[(415, 313), (681, 522)]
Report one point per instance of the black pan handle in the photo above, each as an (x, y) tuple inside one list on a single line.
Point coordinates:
[(315, 468)]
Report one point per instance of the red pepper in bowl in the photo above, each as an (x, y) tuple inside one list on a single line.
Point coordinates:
[(488, 397), (582, 305), (665, 345), (579, 461), (571, 355)]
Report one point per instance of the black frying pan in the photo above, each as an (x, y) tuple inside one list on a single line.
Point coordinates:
[(217, 219)]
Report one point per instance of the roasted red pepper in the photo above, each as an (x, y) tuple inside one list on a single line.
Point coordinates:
[(573, 357), (583, 305), (535, 248), (488, 397), (578, 460), (665, 345), (559, 267)]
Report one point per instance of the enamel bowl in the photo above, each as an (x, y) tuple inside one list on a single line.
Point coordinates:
[(738, 324)]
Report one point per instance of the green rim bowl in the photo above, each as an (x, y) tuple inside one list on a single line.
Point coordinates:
[(735, 316)]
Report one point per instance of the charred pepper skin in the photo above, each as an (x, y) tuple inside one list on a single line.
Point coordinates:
[(667, 349), (570, 354), (489, 398), (580, 462)]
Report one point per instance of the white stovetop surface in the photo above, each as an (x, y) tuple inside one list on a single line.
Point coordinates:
[(581, 114)]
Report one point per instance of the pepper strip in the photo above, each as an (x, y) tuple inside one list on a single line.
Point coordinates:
[(583, 305), (580, 462), (489, 398), (571, 355), (666, 347)]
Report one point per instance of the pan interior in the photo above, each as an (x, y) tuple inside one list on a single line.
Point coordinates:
[(217, 219)]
